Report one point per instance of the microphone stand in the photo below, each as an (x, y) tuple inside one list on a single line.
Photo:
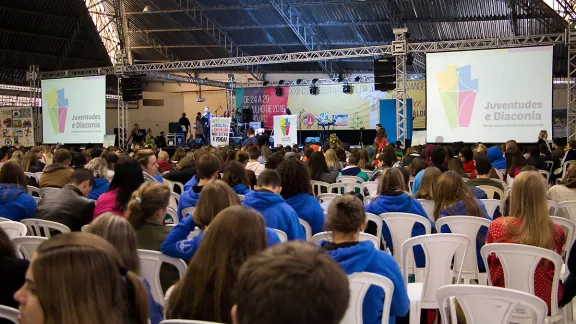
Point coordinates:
[(299, 129)]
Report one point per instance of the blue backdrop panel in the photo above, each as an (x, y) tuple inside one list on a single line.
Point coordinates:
[(388, 118)]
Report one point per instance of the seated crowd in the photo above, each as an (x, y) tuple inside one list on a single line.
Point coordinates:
[(237, 206)]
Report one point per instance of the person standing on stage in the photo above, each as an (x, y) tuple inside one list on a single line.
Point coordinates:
[(206, 116), (381, 138), (184, 121), (199, 132)]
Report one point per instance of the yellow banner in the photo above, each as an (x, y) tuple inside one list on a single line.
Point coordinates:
[(416, 90)]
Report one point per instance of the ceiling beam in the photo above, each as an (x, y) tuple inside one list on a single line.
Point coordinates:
[(67, 48), (50, 37), (18, 52), (37, 13)]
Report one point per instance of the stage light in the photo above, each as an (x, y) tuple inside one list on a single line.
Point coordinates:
[(298, 81), (346, 88), (357, 79), (148, 9), (279, 91), (313, 90), (314, 81), (340, 78), (265, 83)]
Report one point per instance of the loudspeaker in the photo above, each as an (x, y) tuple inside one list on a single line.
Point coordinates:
[(131, 89), (385, 74), (174, 128), (247, 115)]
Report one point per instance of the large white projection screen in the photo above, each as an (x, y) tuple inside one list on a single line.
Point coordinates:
[(489, 96), (73, 110)]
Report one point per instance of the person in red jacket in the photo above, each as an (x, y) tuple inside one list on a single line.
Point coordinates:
[(164, 162), (381, 139), (467, 157)]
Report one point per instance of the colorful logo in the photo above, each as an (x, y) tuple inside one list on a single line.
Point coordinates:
[(458, 94), (308, 120), (285, 126), (57, 110)]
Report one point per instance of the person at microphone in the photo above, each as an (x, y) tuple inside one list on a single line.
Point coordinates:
[(206, 116)]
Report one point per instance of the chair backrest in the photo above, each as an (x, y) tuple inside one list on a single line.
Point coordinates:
[(439, 250), (483, 304), (346, 186), (181, 321), (85, 228), (469, 226), (33, 176), (353, 179), (552, 207), (241, 197), (491, 191), (327, 236), (565, 168), (37, 199), (281, 235), (569, 208), (307, 228), (327, 197), (3, 219), (502, 182), (372, 187), (569, 228), (428, 206), (13, 229), (546, 175), (187, 211), (519, 262), (47, 192), (492, 204), (410, 185), (378, 221), (400, 226), (9, 313), (150, 262), (41, 227), (173, 216), (174, 199), (359, 283), (26, 245), (174, 184), (318, 185), (35, 192)]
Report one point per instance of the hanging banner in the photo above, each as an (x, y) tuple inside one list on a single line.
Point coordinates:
[(16, 126), (219, 131), (109, 140), (285, 130)]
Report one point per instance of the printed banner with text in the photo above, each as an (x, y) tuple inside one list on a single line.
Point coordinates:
[(219, 131), (285, 130)]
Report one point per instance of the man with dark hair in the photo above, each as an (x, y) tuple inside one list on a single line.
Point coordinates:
[(467, 156), (309, 287), (535, 159), (185, 123), (251, 140), (557, 154), (438, 156), (57, 175), (253, 164), (352, 168), (483, 169), (386, 159), (267, 201), (69, 206), (207, 169)]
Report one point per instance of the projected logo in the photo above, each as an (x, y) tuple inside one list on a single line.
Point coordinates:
[(57, 110), (285, 126), (458, 94)]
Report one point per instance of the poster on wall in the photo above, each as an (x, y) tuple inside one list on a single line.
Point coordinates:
[(286, 130), (359, 109), (219, 131), (16, 126)]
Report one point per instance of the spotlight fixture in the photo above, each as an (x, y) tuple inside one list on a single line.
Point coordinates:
[(298, 81), (313, 90), (279, 91), (265, 83), (314, 81), (357, 79), (148, 9), (346, 88), (340, 78)]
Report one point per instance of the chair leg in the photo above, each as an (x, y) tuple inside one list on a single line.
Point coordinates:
[(415, 311)]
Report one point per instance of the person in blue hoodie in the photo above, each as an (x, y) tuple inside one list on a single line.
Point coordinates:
[(454, 197), (496, 158), (346, 219), (278, 214), (236, 177), (217, 197), (297, 191), (99, 168), (15, 202), (207, 168), (393, 199)]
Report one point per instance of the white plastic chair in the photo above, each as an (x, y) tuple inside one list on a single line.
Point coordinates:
[(241, 197), (491, 191), (346, 185), (187, 211), (327, 236), (519, 262), (552, 207), (410, 185), (550, 166), (173, 185), (37, 199), (13, 229), (372, 187), (567, 209), (546, 175), (173, 215), (35, 192), (41, 227), (359, 283), (483, 304), (378, 221), (174, 199), (318, 185), (33, 176), (569, 228), (3, 219), (439, 250), (26, 245), (326, 198), (492, 204), (307, 228), (469, 226), (181, 321), (350, 179), (281, 235), (9, 313), (428, 206), (85, 228), (47, 192), (368, 199), (400, 226), (150, 262), (565, 168)]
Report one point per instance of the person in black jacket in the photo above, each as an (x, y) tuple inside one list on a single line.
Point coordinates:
[(185, 170), (70, 206), (12, 272), (570, 283), (535, 159)]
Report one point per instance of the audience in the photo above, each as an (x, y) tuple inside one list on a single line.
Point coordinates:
[(235, 176), (497, 158), (319, 170), (253, 164), (386, 159), (207, 169), (179, 154), (535, 159), (467, 156), (528, 223), (128, 177), (64, 284), (12, 272), (483, 173), (427, 188), (251, 140), (332, 160), (364, 160), (515, 161), (30, 163), (164, 164), (566, 189), (78, 160), (57, 174), (274, 160), (204, 293), (243, 158), (99, 169), (456, 165), (69, 206), (278, 214), (15, 202), (185, 170), (309, 287), (346, 219), (438, 157), (297, 192), (17, 157), (147, 161)]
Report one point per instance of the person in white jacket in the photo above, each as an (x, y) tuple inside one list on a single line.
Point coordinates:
[(253, 164)]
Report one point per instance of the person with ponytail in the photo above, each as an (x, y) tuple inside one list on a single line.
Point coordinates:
[(528, 223), (79, 278), (146, 211), (346, 219)]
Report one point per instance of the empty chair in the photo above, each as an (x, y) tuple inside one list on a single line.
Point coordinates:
[(9, 313), (171, 216), (492, 204), (428, 206), (13, 229), (307, 228), (150, 262), (359, 283), (40, 227), (281, 235), (26, 245), (327, 236), (491, 192), (439, 250), (519, 263), (482, 304)]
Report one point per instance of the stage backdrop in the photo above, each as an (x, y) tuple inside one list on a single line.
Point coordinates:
[(16, 126)]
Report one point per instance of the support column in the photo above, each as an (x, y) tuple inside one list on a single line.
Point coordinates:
[(34, 94), (400, 51), (571, 86), (123, 122)]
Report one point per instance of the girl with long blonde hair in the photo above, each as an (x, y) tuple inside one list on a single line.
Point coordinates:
[(528, 224), (332, 160), (428, 183)]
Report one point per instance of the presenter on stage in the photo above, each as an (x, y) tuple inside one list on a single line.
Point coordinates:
[(381, 137), (206, 116), (185, 123)]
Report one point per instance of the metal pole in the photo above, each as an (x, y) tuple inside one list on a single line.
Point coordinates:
[(400, 51)]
